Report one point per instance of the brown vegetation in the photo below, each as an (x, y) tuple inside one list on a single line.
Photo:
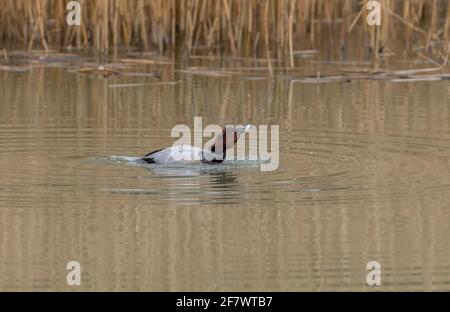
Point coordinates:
[(267, 28)]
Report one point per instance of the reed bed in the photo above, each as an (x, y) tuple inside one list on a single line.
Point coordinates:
[(267, 29)]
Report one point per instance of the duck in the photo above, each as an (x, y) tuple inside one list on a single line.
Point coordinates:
[(184, 153)]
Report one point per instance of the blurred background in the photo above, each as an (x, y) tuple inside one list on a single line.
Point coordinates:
[(278, 29)]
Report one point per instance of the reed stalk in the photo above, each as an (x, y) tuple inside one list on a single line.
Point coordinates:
[(260, 28)]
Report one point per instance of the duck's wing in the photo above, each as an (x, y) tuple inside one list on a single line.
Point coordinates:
[(177, 153), (154, 152), (158, 157)]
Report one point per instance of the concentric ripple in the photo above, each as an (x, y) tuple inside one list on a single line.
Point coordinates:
[(334, 166), (363, 174)]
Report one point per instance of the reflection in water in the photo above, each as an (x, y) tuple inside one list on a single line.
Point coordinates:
[(362, 176), (192, 184)]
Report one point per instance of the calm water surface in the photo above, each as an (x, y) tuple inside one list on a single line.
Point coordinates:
[(363, 175)]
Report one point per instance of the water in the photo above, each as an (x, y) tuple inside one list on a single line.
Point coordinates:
[(363, 176)]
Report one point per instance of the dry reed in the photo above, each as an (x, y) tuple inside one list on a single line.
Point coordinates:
[(263, 28)]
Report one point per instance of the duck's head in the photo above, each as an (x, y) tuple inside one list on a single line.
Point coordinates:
[(229, 137)]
